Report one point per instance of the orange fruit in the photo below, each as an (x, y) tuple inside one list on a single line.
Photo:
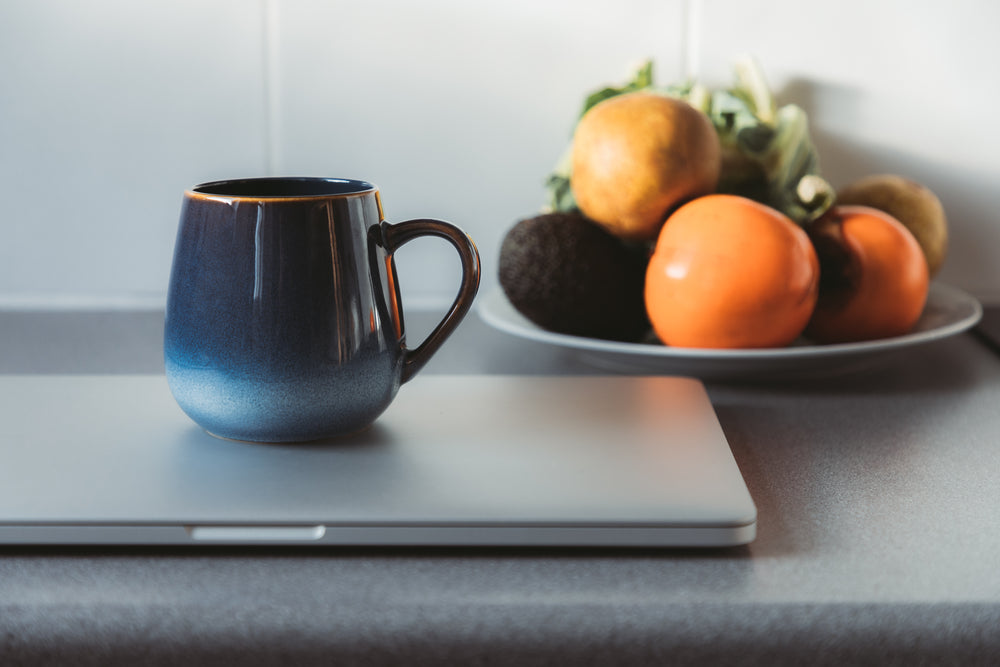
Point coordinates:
[(637, 156), (729, 272), (874, 276)]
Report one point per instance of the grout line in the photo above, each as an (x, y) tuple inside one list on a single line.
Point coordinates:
[(34, 302), (269, 76), (691, 39)]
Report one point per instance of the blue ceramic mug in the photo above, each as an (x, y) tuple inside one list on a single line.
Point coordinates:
[(283, 317)]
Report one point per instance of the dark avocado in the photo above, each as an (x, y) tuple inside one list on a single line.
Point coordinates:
[(568, 275)]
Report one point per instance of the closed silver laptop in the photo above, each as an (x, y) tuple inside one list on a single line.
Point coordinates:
[(455, 460)]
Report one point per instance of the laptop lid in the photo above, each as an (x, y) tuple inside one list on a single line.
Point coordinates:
[(455, 460)]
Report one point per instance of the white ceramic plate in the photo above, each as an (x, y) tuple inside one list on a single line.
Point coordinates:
[(949, 311)]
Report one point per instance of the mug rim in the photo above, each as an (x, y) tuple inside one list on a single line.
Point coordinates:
[(275, 188)]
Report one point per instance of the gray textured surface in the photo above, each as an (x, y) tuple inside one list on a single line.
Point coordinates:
[(878, 543)]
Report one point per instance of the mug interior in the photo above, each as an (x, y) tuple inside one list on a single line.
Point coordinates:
[(284, 187)]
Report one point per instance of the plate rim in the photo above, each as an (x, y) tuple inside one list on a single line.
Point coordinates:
[(487, 309)]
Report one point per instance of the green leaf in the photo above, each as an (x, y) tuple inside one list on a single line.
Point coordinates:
[(642, 78), (560, 193), (599, 96)]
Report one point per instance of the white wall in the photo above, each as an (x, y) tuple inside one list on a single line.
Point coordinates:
[(109, 109)]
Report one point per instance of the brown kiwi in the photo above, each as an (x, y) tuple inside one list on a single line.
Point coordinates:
[(914, 205)]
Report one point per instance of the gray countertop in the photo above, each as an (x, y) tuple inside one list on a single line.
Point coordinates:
[(878, 542)]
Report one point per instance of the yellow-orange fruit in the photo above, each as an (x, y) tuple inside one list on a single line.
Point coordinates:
[(637, 156)]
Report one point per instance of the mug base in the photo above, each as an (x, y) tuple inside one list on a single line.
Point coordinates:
[(291, 441)]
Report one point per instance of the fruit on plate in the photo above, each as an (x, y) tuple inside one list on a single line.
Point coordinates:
[(909, 202), (568, 275), (729, 272), (636, 157), (751, 243), (874, 278)]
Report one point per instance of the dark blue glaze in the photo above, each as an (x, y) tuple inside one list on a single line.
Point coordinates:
[(283, 314)]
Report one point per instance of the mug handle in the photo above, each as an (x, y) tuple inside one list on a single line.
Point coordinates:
[(395, 235)]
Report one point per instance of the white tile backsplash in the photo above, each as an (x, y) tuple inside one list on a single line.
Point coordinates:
[(457, 110), (108, 110)]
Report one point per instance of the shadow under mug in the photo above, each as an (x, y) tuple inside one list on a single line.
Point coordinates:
[(284, 320)]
